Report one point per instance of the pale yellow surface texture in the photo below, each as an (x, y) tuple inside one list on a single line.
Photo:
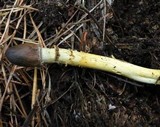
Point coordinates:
[(81, 59)]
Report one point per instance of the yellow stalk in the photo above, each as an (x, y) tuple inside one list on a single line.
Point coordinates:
[(82, 59)]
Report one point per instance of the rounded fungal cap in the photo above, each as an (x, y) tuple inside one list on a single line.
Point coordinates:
[(24, 55)]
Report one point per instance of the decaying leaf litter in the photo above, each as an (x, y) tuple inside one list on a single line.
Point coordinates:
[(57, 95)]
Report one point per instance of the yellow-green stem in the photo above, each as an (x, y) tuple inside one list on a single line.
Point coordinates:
[(81, 59)]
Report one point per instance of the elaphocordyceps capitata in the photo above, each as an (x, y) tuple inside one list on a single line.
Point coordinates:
[(33, 55)]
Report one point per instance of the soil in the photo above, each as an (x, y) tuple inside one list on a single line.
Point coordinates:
[(83, 97)]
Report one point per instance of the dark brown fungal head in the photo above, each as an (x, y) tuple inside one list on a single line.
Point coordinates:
[(24, 55)]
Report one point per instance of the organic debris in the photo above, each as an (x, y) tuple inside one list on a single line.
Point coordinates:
[(58, 95)]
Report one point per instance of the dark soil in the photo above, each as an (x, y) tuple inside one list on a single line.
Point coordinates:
[(135, 31), (83, 97)]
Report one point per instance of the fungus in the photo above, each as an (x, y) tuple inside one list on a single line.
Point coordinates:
[(33, 55)]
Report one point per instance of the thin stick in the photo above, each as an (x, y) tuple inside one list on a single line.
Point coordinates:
[(34, 93), (34, 89)]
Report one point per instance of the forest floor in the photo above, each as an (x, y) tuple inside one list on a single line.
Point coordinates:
[(73, 96)]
